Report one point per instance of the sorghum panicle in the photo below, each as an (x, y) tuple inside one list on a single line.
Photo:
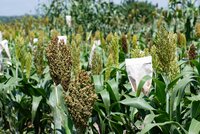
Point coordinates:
[(97, 63), (197, 30), (165, 44), (38, 54), (137, 52), (75, 53), (192, 53), (80, 99), (134, 41), (52, 52), (181, 40), (124, 44), (66, 65), (114, 49), (59, 59), (109, 64), (155, 60), (28, 64)]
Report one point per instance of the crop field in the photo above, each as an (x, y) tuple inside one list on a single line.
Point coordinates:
[(96, 67)]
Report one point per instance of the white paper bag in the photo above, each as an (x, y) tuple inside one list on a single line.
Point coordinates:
[(4, 45), (137, 68), (1, 68), (68, 20), (1, 36), (64, 38), (35, 40), (1, 57)]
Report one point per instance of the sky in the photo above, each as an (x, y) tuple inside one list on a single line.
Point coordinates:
[(21, 7)]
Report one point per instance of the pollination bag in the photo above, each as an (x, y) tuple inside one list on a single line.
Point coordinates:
[(0, 36), (35, 40), (4, 45), (136, 69), (68, 20), (1, 60), (64, 38), (1, 50), (31, 44)]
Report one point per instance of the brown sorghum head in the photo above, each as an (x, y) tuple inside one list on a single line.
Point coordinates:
[(192, 53), (59, 59), (80, 99), (124, 44)]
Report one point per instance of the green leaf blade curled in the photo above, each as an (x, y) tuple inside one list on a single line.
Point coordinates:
[(106, 99), (35, 104), (137, 103), (141, 84), (194, 127)]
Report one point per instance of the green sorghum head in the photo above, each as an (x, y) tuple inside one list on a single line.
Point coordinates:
[(75, 53), (181, 40), (165, 44), (114, 49), (134, 40), (39, 54), (97, 63), (109, 64), (28, 64)]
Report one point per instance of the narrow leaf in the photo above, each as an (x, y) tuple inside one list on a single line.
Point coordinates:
[(194, 127), (114, 89), (141, 84), (148, 127), (35, 104), (106, 99), (137, 103), (98, 82)]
